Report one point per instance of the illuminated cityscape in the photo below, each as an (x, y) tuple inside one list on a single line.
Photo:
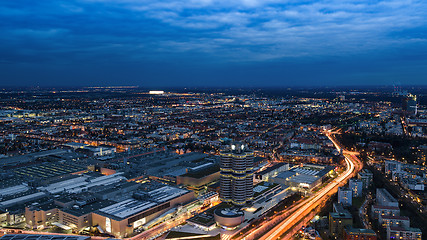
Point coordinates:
[(213, 120), (127, 163)]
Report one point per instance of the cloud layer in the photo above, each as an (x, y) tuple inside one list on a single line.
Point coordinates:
[(209, 34)]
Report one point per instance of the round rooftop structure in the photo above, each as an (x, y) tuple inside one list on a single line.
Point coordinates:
[(229, 218)]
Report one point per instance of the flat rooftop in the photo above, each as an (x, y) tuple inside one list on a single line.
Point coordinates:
[(306, 171), (131, 206), (48, 170), (293, 176), (203, 219), (45, 206), (362, 231), (341, 215), (385, 207), (77, 184), (388, 197), (127, 208), (16, 160), (272, 168), (301, 178), (166, 193), (395, 217), (401, 229), (203, 172), (14, 190), (286, 175), (86, 209), (23, 199)]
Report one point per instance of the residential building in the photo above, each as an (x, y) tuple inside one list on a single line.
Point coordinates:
[(345, 196), (393, 221), (377, 211), (356, 187), (337, 223), (404, 233), (384, 198), (351, 233), (366, 177)]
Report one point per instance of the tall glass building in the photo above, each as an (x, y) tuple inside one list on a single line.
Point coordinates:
[(237, 174), (410, 104)]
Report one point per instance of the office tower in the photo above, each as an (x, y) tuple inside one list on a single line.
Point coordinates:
[(236, 174), (410, 104)]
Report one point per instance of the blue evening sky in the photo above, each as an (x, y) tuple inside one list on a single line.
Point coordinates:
[(225, 43)]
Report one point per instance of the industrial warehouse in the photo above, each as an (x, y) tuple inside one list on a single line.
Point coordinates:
[(120, 219)]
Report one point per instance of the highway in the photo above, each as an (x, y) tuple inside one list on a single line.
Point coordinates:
[(306, 207)]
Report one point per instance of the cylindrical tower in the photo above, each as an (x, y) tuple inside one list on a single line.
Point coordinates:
[(237, 174), (226, 192)]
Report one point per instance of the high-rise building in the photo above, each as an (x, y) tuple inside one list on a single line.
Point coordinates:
[(237, 174), (337, 223), (366, 176), (410, 104), (345, 196), (356, 187)]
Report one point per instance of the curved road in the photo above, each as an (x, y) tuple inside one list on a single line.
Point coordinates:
[(353, 165)]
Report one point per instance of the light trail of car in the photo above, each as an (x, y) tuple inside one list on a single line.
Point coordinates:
[(314, 201)]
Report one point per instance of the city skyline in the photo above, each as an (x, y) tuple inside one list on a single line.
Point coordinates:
[(213, 43), (127, 163)]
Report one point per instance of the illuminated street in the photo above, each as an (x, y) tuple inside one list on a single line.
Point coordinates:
[(304, 208)]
